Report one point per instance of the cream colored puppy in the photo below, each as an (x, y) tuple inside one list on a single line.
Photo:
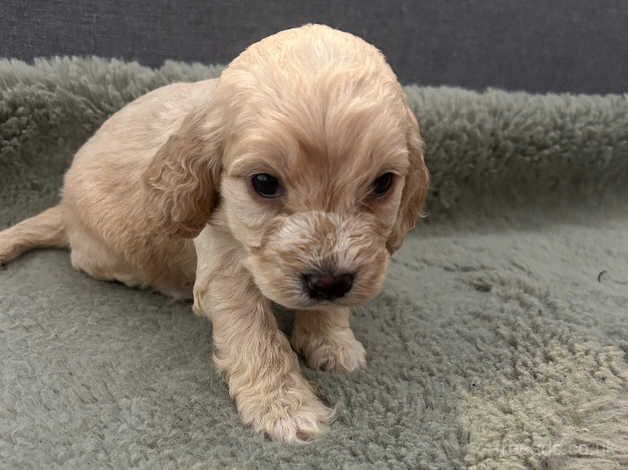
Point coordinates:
[(291, 178)]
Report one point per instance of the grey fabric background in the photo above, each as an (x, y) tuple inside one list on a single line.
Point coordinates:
[(534, 45), (495, 344)]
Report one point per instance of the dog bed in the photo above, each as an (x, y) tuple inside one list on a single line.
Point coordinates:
[(499, 341)]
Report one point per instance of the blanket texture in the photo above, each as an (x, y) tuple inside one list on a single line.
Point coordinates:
[(499, 341)]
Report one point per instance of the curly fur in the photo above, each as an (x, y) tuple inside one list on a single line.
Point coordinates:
[(182, 180)]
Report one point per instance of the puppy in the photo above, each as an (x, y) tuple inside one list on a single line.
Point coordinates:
[(292, 178)]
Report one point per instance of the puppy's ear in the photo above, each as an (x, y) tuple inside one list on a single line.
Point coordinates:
[(182, 180), (415, 190)]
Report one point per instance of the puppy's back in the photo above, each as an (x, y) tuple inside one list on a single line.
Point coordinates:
[(103, 193)]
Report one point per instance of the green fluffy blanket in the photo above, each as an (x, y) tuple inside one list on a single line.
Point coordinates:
[(499, 341)]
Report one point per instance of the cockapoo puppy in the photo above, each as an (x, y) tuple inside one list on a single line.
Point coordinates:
[(291, 178)]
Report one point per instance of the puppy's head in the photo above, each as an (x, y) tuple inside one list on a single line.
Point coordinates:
[(318, 162)]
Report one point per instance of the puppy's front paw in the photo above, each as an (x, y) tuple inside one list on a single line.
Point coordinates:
[(291, 413), (334, 349)]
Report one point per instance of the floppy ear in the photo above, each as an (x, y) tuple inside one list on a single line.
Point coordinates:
[(182, 181), (415, 190)]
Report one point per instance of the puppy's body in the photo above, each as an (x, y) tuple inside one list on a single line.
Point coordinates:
[(167, 195), (107, 217)]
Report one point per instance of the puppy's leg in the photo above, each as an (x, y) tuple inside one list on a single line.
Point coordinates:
[(326, 341), (261, 369)]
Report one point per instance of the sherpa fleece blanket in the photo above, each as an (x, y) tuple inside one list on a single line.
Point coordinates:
[(499, 341)]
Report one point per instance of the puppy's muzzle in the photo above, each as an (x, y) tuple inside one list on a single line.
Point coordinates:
[(322, 285)]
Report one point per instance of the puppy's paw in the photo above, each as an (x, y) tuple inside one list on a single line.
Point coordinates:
[(334, 349), (291, 414)]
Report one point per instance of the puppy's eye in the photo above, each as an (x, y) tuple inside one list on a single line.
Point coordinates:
[(382, 184), (266, 185)]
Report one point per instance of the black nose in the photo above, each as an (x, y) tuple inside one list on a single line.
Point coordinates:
[(327, 286)]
